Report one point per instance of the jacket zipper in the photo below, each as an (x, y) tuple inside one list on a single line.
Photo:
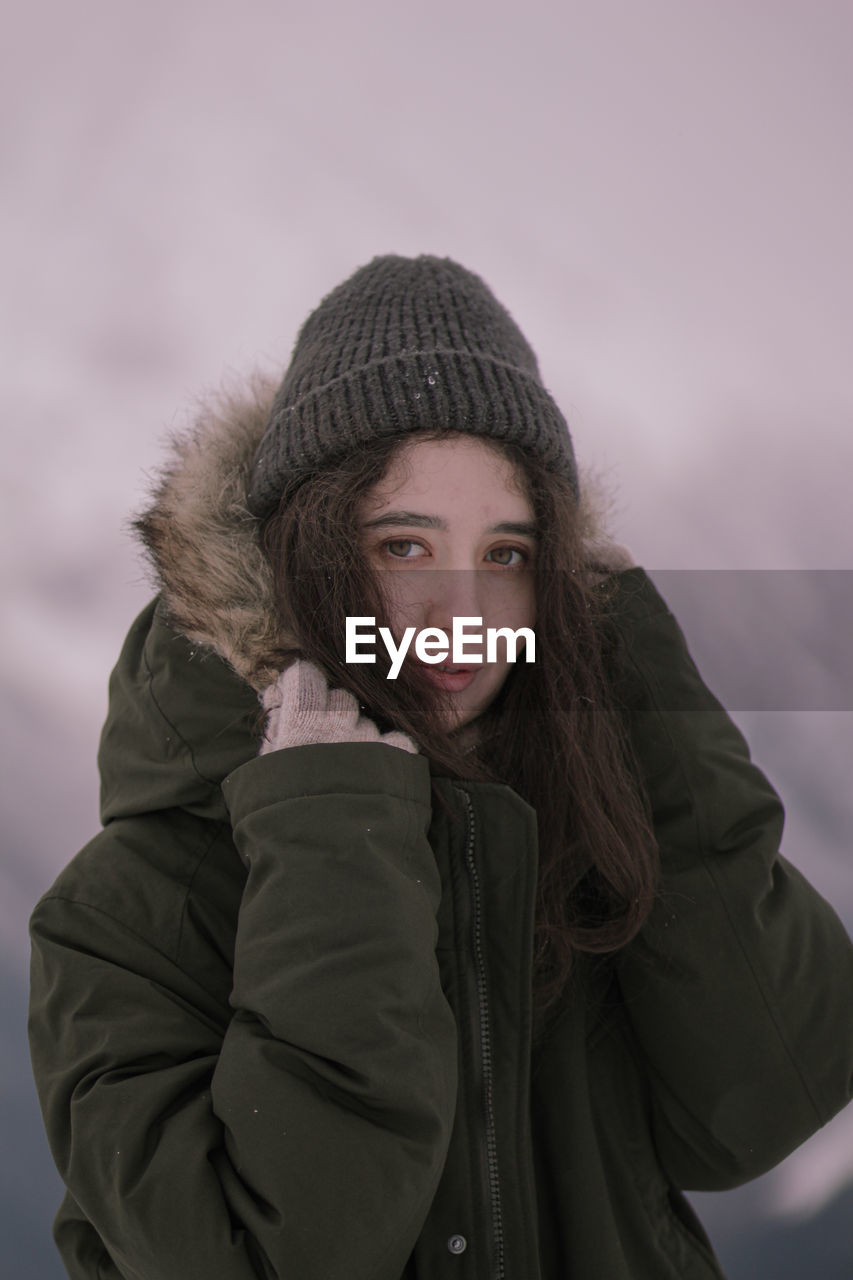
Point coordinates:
[(485, 1042)]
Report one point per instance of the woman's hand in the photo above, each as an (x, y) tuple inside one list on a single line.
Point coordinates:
[(302, 709)]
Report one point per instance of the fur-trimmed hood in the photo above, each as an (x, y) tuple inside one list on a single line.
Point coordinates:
[(215, 581), (203, 542)]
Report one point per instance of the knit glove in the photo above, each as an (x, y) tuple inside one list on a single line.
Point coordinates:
[(302, 709)]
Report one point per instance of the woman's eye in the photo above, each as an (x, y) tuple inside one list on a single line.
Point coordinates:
[(402, 548), (509, 557)]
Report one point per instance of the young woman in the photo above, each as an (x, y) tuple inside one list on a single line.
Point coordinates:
[(422, 966)]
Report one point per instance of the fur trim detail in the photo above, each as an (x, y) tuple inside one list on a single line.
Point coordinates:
[(204, 543)]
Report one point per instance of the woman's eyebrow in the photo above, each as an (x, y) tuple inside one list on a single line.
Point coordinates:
[(521, 528)]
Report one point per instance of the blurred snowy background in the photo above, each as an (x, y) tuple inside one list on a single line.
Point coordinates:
[(661, 191)]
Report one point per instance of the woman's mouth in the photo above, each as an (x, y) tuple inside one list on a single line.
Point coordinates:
[(450, 678)]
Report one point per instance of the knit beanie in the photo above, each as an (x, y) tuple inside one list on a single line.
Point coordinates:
[(405, 345)]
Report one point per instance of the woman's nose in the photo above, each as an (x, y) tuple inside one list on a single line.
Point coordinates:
[(452, 593)]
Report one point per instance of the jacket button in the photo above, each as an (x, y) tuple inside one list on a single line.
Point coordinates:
[(457, 1244)]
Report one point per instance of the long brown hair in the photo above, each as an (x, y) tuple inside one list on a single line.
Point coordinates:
[(554, 733)]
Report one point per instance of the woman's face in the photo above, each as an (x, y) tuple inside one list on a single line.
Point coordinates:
[(452, 534)]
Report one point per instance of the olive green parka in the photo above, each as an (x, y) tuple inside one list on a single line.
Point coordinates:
[(281, 1016)]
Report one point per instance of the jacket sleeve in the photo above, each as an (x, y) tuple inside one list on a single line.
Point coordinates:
[(307, 1137), (739, 989)]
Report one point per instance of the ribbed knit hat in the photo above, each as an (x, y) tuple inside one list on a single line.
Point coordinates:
[(405, 345)]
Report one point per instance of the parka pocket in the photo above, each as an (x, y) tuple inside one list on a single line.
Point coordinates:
[(622, 1105)]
